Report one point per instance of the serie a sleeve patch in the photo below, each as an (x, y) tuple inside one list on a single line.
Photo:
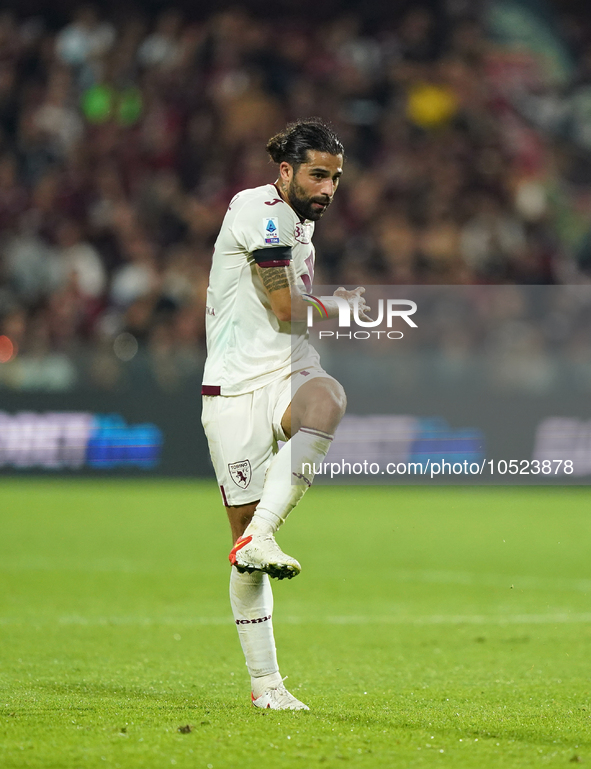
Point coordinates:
[(279, 256), (271, 230)]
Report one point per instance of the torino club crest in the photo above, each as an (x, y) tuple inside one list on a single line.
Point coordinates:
[(241, 473)]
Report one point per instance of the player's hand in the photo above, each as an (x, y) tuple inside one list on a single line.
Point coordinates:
[(355, 297)]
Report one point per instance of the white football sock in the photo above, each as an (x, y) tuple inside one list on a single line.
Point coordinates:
[(285, 482), (252, 605)]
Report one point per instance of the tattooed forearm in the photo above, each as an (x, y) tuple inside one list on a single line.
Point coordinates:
[(274, 278)]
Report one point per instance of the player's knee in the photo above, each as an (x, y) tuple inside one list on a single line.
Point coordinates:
[(336, 402), (323, 408), (341, 398)]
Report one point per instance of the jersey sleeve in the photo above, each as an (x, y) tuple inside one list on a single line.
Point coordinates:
[(259, 226)]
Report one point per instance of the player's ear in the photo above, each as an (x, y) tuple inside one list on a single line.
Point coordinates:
[(285, 171)]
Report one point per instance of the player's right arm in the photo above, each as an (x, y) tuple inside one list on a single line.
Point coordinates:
[(277, 282), (289, 304)]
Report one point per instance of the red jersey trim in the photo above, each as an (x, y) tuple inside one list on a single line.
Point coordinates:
[(274, 263)]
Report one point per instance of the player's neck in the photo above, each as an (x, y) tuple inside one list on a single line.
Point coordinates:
[(281, 193)]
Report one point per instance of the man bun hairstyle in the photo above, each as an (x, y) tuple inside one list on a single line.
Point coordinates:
[(292, 144)]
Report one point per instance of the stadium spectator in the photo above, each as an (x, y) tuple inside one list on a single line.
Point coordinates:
[(85, 40)]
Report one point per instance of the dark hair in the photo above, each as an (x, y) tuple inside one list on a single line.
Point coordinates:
[(293, 143)]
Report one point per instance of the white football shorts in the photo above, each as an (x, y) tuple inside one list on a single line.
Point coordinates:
[(243, 431)]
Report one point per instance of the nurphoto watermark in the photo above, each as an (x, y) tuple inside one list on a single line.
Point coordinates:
[(381, 326)]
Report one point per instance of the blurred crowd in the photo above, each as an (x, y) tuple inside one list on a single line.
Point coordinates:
[(122, 142)]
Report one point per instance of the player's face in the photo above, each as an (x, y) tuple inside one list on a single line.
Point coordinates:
[(311, 188)]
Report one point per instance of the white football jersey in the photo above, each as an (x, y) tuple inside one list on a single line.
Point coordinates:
[(247, 346)]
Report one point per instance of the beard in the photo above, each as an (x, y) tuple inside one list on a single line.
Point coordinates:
[(304, 205)]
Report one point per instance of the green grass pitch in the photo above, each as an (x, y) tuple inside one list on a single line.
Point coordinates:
[(429, 627)]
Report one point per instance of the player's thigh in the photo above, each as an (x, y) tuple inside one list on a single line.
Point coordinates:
[(241, 444)]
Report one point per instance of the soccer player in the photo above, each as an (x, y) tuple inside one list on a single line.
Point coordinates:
[(263, 381)]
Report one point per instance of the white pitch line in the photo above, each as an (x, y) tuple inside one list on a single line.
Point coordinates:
[(465, 619), (493, 580), (123, 566), (387, 619)]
